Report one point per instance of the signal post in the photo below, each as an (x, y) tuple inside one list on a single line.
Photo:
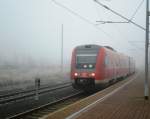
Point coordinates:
[(146, 87)]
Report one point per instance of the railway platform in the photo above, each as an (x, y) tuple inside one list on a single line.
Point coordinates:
[(123, 100)]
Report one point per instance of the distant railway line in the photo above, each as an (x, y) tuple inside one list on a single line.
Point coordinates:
[(50, 107), (7, 98), (23, 104)]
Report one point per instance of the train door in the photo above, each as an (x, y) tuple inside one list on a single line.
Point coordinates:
[(114, 69), (106, 62), (129, 65)]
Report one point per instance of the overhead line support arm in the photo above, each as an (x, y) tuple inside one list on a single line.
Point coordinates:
[(130, 21)]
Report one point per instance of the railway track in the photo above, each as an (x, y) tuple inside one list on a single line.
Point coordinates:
[(51, 100), (29, 93), (50, 107), (44, 110)]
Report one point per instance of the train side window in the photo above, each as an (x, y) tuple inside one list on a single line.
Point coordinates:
[(106, 61)]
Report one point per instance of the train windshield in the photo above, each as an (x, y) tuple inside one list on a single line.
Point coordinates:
[(86, 61)]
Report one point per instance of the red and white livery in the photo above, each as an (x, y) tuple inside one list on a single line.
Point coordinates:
[(93, 65)]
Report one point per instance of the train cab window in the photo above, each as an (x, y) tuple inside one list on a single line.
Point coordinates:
[(86, 61)]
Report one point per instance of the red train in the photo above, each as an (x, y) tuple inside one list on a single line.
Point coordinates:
[(92, 65)]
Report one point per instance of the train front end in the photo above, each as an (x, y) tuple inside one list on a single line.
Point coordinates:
[(83, 66)]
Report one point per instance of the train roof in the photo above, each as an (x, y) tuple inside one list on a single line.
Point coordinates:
[(93, 46), (88, 46), (110, 48)]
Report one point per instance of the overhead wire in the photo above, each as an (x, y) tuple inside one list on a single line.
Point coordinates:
[(82, 18), (139, 6), (132, 17), (137, 9), (98, 13), (120, 15), (89, 22)]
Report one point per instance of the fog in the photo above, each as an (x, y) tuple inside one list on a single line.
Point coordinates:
[(30, 32)]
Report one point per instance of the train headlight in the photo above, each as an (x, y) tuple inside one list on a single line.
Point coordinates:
[(93, 74), (90, 66), (75, 74), (85, 66)]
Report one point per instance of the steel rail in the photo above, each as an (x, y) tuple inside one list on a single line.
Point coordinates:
[(29, 90), (30, 93), (42, 107)]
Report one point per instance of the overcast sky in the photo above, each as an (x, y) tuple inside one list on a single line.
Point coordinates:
[(31, 29)]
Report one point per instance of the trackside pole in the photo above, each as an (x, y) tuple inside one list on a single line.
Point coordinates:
[(37, 86), (62, 30), (146, 87)]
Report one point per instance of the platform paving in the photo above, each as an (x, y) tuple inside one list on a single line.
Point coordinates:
[(124, 100), (127, 103)]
